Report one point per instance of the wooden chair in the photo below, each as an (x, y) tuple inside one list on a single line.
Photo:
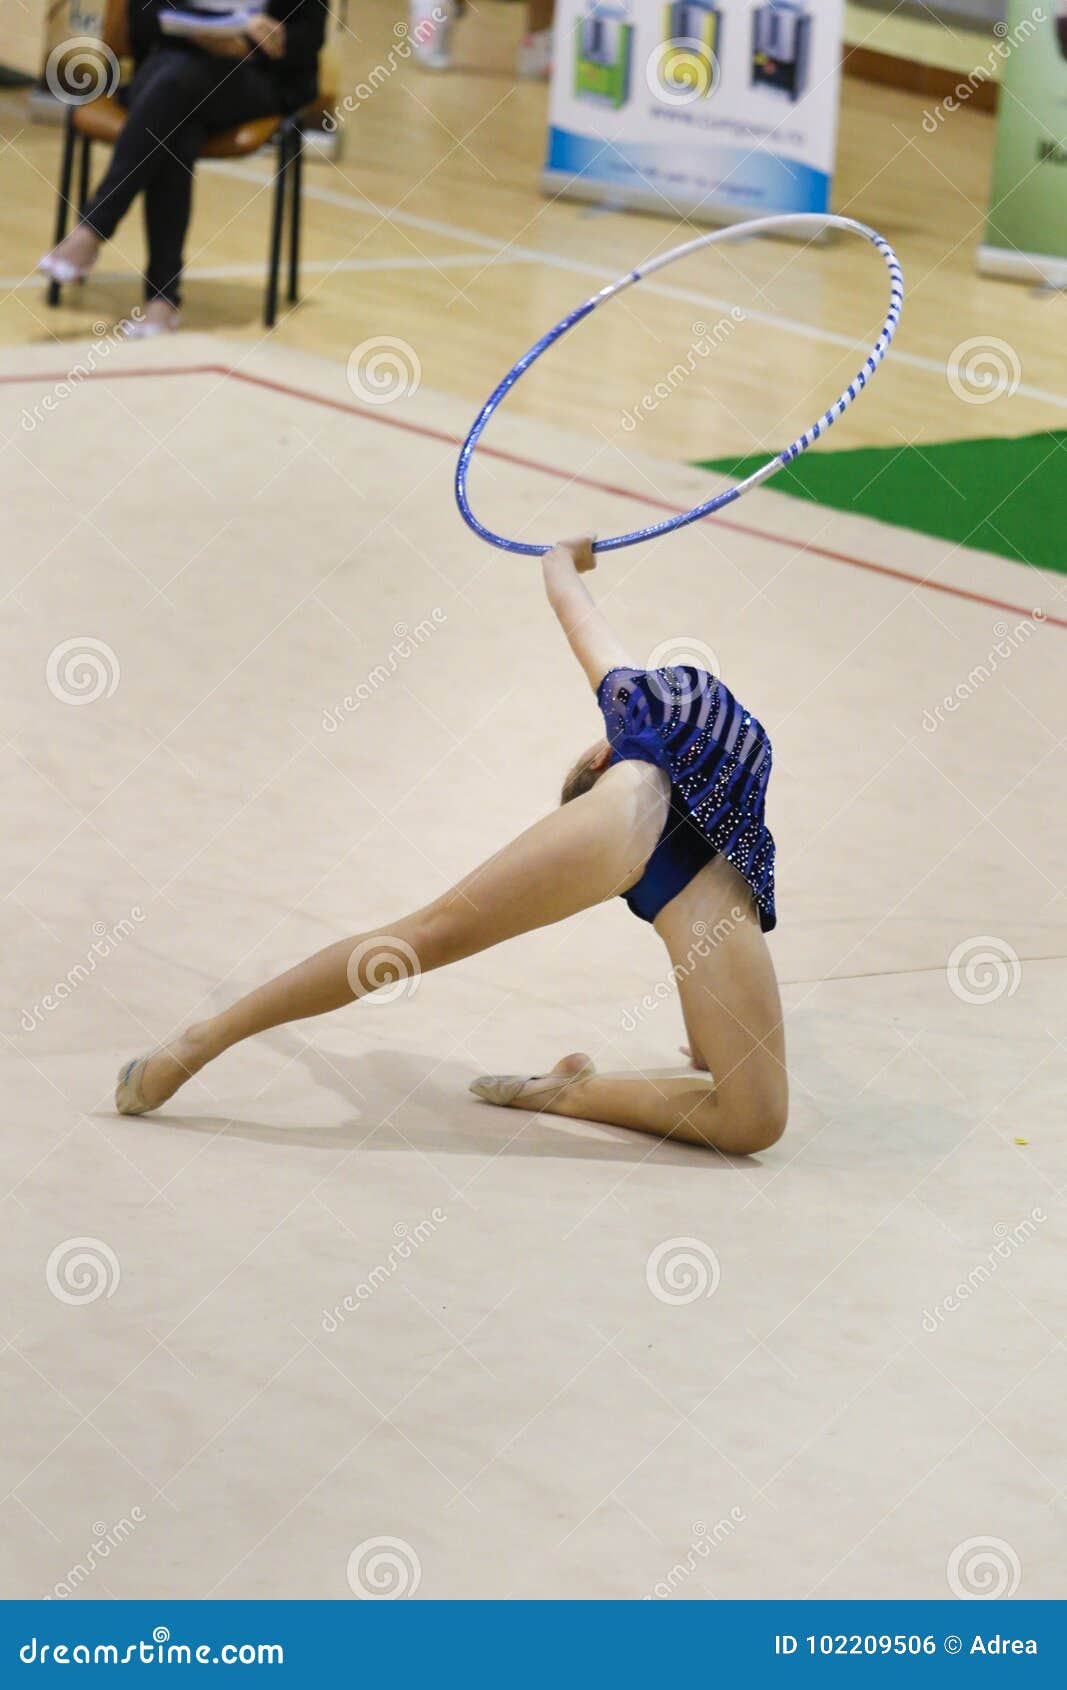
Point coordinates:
[(102, 120)]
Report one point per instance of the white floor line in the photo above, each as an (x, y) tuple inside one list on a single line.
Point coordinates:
[(578, 267), (235, 272)]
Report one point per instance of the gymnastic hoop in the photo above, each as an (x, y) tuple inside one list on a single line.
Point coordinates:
[(816, 221)]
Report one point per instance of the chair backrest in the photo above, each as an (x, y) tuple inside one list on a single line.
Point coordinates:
[(115, 29)]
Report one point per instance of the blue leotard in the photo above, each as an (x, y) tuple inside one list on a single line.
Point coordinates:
[(718, 760)]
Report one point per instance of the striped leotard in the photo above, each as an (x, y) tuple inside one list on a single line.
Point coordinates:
[(717, 757)]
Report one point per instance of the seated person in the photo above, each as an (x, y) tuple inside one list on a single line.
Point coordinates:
[(185, 88)]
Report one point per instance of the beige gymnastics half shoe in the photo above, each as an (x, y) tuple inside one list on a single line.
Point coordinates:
[(129, 1099), (505, 1088)]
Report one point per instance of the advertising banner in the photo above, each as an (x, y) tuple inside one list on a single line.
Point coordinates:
[(1026, 233), (718, 111)]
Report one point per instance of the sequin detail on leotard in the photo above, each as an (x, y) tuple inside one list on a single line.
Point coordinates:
[(717, 757)]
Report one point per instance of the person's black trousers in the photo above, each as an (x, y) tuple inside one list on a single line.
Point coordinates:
[(178, 96)]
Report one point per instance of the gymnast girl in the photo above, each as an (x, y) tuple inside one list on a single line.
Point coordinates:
[(666, 809)]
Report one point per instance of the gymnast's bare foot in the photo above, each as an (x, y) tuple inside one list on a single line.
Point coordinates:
[(533, 1091), (148, 1081)]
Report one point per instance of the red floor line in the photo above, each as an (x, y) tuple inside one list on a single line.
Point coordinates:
[(427, 433)]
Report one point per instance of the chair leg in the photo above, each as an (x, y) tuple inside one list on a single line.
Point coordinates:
[(66, 172), (83, 174), (270, 312), (296, 197)]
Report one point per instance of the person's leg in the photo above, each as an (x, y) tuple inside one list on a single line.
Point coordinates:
[(575, 857), (168, 202), (167, 92), (535, 49), (733, 1016), (430, 28), (245, 92)]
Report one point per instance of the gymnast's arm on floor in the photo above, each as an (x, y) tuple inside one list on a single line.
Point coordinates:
[(590, 635)]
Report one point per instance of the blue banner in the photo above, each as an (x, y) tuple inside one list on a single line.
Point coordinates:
[(545, 1643)]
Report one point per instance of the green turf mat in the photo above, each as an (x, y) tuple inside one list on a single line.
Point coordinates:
[(1005, 496)]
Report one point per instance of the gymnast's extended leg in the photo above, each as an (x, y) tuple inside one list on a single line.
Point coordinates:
[(577, 856)]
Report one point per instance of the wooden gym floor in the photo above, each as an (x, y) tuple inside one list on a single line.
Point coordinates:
[(431, 228)]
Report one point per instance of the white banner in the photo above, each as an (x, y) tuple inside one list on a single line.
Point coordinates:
[(718, 111)]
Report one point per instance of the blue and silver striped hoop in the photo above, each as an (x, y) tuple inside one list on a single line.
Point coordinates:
[(816, 222)]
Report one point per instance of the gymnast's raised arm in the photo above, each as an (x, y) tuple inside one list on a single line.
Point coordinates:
[(590, 635)]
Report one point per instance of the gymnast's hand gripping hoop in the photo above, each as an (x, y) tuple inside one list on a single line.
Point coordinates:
[(814, 221)]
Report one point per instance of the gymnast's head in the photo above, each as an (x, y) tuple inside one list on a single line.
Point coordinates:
[(586, 771)]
